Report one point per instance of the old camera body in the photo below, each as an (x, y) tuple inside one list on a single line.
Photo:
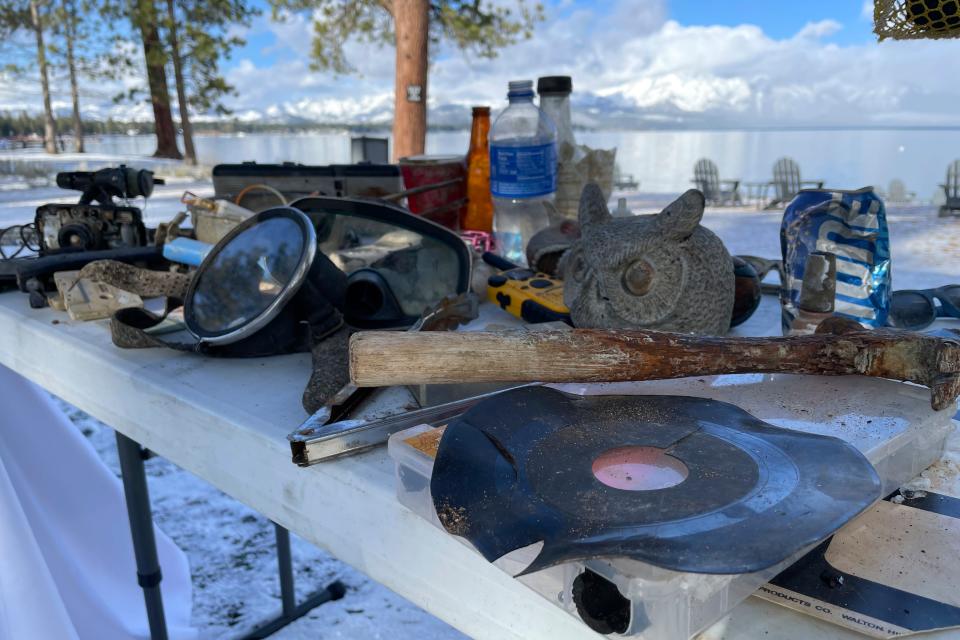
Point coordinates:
[(88, 227), (96, 222)]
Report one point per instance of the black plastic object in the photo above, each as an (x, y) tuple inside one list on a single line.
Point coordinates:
[(370, 301), (917, 309), (281, 297), (25, 269), (398, 264), (518, 469), (554, 84), (262, 290), (747, 292), (600, 604), (106, 184)]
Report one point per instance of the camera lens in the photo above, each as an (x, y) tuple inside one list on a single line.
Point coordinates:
[(139, 183), (78, 235)]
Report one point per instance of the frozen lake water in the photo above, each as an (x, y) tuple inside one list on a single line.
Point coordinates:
[(661, 160)]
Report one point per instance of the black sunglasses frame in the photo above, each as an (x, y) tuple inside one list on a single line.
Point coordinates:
[(939, 294)]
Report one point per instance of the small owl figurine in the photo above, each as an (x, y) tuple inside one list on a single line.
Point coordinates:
[(663, 271)]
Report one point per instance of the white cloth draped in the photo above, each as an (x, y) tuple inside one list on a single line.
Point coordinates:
[(67, 567)]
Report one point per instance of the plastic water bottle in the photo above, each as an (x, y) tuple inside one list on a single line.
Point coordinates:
[(523, 172)]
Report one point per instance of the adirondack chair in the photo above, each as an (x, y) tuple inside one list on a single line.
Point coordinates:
[(787, 183), (715, 191), (624, 181), (951, 189), (898, 194)]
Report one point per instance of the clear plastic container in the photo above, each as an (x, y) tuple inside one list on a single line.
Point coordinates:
[(892, 424), (523, 172), (554, 92)]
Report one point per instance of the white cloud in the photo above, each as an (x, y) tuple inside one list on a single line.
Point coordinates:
[(630, 65), (719, 75), (820, 29)]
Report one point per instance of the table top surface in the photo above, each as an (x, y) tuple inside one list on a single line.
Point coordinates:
[(226, 420)]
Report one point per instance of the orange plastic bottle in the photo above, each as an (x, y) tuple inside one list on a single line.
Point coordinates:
[(479, 214)]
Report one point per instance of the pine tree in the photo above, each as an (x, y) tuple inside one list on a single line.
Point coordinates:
[(70, 32), (197, 32), (23, 16), (481, 28), (37, 19), (146, 20)]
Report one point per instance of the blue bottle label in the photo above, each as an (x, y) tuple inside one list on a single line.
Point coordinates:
[(523, 172)]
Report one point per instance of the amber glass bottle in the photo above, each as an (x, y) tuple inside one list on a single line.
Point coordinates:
[(479, 215)]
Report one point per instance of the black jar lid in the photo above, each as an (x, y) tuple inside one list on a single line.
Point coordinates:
[(554, 84)]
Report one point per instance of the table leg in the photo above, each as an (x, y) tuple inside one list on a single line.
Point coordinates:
[(141, 530), (285, 567), (132, 456), (290, 609)]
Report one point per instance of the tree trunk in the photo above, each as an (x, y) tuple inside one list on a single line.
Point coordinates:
[(411, 24), (49, 123), (155, 56), (71, 34), (190, 154)]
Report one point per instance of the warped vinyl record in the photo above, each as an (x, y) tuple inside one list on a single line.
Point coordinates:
[(688, 484)]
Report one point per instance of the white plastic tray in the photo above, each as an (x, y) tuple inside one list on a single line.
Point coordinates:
[(891, 423)]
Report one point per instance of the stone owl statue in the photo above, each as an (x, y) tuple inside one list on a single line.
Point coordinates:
[(663, 271)]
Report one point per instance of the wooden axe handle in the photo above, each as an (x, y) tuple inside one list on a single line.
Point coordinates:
[(383, 358)]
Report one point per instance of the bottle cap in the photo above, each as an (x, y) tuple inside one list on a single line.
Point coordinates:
[(481, 111), (819, 283), (520, 85), (520, 89), (554, 84)]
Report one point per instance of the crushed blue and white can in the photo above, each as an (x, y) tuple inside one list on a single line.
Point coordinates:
[(852, 225)]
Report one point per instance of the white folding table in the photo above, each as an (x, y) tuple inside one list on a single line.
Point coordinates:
[(227, 420)]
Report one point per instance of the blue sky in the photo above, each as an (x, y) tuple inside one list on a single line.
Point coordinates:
[(778, 18)]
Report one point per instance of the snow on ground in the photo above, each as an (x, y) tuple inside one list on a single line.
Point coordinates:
[(36, 163), (231, 548), (233, 563)]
